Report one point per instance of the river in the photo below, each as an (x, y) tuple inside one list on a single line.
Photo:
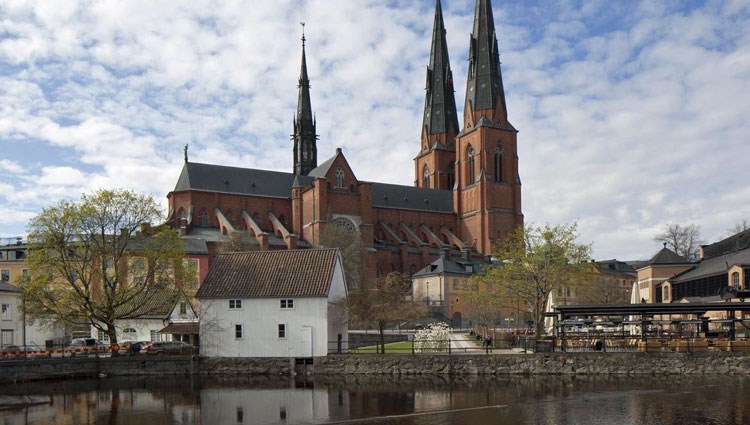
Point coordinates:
[(669, 400)]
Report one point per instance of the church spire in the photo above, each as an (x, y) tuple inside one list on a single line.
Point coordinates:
[(305, 149), (484, 86), (440, 103)]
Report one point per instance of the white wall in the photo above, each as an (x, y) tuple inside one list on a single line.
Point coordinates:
[(338, 319), (12, 324), (143, 328)]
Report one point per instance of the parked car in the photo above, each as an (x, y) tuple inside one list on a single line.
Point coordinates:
[(169, 347), (132, 347), (90, 347), (15, 352)]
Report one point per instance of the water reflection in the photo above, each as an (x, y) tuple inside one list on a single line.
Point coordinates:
[(405, 400)]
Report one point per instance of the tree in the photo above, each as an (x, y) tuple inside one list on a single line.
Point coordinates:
[(739, 227), (534, 261), (97, 261), (384, 301), (685, 241), (349, 243)]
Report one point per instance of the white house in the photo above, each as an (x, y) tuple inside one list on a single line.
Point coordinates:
[(166, 316), (12, 329), (273, 304)]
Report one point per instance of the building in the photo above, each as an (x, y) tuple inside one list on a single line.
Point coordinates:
[(721, 273), (466, 194), (286, 303), (12, 266), (444, 286)]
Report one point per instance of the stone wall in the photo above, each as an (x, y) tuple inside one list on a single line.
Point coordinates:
[(538, 364), (391, 364)]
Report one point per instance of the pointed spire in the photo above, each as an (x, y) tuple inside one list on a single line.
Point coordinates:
[(484, 87), (305, 149), (440, 103)]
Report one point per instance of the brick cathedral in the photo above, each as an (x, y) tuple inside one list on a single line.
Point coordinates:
[(466, 194)]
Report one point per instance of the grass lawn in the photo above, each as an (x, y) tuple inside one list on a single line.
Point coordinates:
[(392, 348)]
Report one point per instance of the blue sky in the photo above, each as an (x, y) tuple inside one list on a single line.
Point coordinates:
[(631, 114)]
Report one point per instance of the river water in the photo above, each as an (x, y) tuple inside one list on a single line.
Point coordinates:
[(672, 400)]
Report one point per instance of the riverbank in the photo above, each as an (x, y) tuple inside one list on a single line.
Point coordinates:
[(713, 363)]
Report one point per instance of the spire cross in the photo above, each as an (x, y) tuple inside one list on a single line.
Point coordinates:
[(303, 33)]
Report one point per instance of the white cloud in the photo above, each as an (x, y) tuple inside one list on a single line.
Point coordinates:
[(631, 115)]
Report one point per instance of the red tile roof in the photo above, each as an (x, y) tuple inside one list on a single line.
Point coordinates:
[(258, 274)]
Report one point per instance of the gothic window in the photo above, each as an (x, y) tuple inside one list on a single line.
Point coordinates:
[(181, 214), (344, 223), (498, 163), (470, 165), (426, 176), (203, 218), (451, 176), (339, 178)]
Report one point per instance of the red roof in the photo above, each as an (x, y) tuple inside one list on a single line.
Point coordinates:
[(270, 274)]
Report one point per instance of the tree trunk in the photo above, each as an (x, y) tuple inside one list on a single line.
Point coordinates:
[(381, 326), (112, 333)]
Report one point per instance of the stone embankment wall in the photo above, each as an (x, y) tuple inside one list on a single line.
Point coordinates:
[(391, 364), (539, 364)]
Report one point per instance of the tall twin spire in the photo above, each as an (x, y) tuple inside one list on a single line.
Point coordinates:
[(440, 103), (305, 137)]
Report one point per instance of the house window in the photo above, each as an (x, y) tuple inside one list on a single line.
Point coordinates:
[(235, 304), (5, 275), (203, 217), (7, 313), (240, 415), (465, 286), (426, 176), (183, 308), (455, 284), (339, 178), (102, 336), (666, 293), (470, 165), (154, 335), (498, 163), (238, 331), (735, 280), (287, 304), (282, 331)]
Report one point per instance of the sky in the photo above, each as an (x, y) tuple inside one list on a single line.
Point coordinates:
[(631, 115)]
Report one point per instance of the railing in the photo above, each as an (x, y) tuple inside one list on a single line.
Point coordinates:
[(439, 346)]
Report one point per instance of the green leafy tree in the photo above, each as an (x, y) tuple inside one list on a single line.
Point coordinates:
[(534, 261), (96, 261), (384, 301)]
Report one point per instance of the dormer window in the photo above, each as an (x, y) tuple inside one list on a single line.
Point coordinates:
[(735, 280), (339, 174)]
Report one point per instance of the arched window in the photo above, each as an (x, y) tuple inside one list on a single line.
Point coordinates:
[(203, 217), (451, 176), (735, 280), (470, 165), (181, 214), (426, 176), (345, 224), (339, 178), (665, 294), (498, 163)]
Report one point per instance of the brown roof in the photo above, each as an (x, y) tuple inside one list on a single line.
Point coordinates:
[(257, 274), (156, 304), (180, 328)]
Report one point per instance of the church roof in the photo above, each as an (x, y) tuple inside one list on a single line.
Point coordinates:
[(249, 181), (411, 198), (244, 181), (268, 274), (322, 169)]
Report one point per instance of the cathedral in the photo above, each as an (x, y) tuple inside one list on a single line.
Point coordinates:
[(466, 195)]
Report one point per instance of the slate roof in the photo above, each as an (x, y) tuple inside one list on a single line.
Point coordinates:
[(411, 198), (450, 266), (7, 287), (734, 243), (270, 274), (157, 304), (322, 169), (666, 256), (713, 266), (245, 181), (195, 245), (616, 267)]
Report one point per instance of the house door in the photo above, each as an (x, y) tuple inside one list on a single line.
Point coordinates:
[(306, 336)]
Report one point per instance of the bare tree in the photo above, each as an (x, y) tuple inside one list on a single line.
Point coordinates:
[(684, 240), (239, 241), (349, 243), (739, 227)]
